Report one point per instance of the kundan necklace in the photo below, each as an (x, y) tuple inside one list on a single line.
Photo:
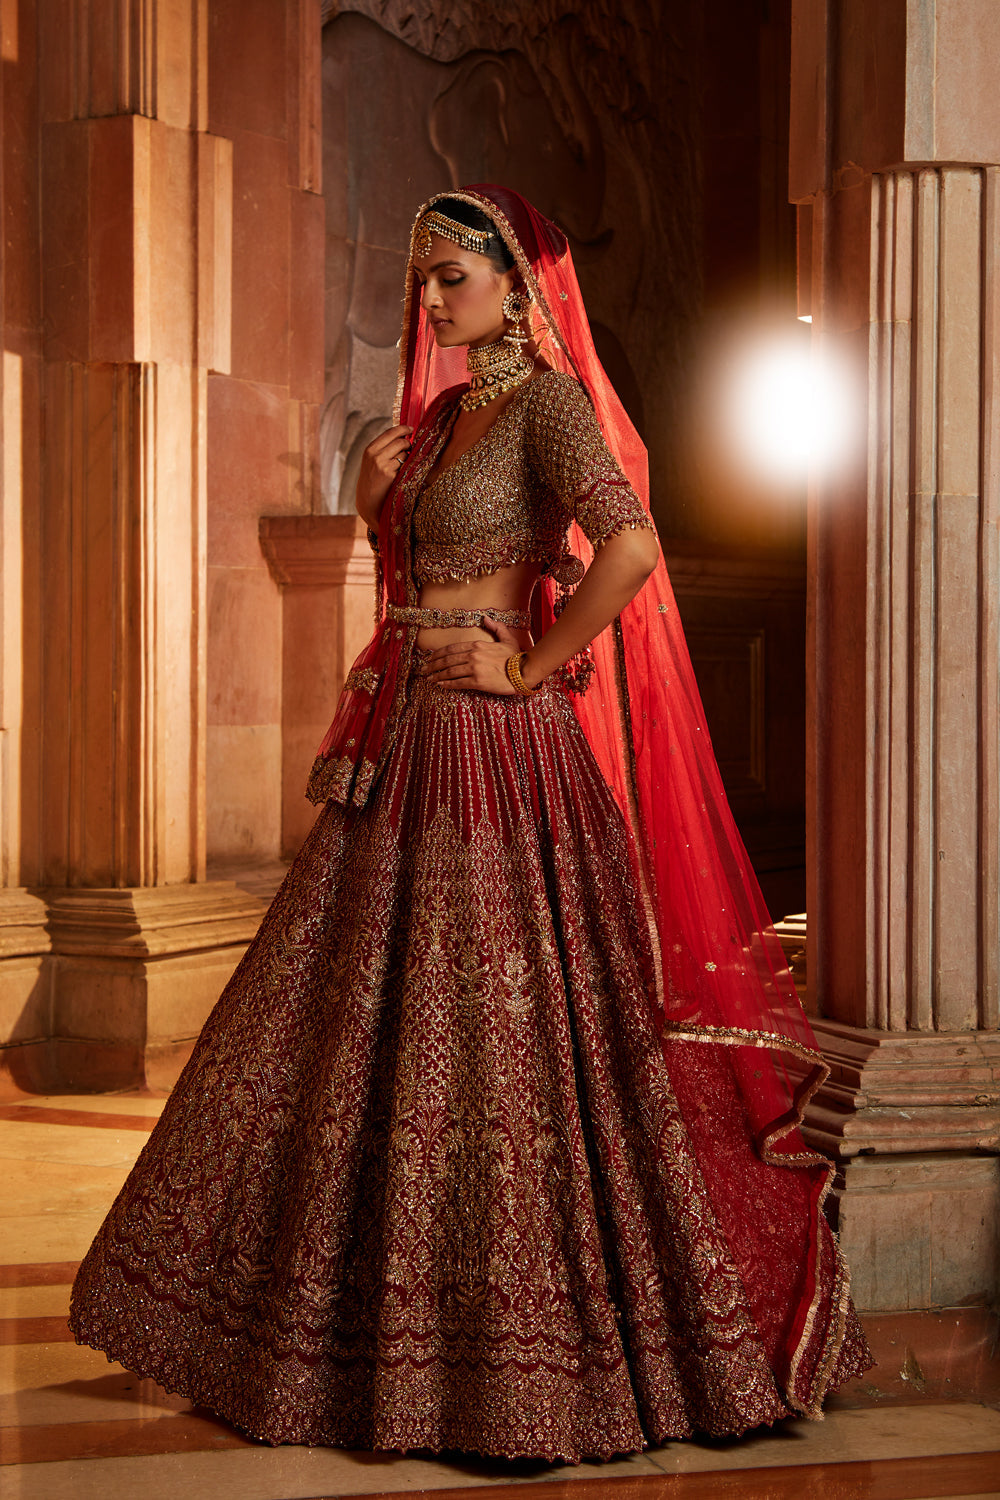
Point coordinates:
[(494, 369)]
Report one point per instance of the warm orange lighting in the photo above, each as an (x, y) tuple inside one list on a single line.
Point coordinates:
[(805, 317), (8, 30), (791, 407)]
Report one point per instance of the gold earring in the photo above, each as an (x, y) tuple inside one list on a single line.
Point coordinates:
[(515, 309), (515, 305)]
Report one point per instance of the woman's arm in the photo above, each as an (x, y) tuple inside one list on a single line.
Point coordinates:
[(566, 445), (619, 569), (567, 448)]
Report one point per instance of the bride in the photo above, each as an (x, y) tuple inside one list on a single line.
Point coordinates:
[(491, 1142)]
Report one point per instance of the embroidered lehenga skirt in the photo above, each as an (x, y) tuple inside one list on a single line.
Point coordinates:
[(430, 1179)]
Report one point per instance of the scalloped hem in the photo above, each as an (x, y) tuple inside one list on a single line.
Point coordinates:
[(429, 1439)]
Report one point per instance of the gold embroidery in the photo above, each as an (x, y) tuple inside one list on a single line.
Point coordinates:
[(510, 497), (507, 499), (342, 780), (439, 619), (361, 679), (372, 1212)]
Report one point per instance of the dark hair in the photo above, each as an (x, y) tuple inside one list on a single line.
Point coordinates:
[(473, 218)]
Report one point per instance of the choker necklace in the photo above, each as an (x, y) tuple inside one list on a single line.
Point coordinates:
[(493, 370)]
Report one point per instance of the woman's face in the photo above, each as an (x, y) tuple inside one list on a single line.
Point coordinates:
[(462, 294)]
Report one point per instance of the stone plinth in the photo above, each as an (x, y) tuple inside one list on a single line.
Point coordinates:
[(914, 1118), (107, 989), (136, 973), (892, 1091), (25, 991), (921, 1230)]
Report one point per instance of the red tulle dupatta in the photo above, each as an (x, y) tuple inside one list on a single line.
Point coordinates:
[(364, 727)]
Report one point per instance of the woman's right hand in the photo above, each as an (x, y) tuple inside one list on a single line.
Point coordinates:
[(380, 463)]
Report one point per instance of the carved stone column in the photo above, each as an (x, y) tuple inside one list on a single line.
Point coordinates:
[(895, 140), (132, 256), (25, 991)]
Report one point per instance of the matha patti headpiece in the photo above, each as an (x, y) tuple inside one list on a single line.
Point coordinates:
[(449, 229)]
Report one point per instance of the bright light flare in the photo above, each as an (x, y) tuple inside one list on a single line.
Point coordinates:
[(792, 409)]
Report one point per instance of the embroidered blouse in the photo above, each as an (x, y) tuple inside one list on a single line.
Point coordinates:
[(510, 497)]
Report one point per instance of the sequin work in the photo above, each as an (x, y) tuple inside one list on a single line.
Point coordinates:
[(510, 497), (437, 619), (431, 1179)]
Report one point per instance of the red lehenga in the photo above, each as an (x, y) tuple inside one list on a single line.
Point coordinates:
[(491, 1141)]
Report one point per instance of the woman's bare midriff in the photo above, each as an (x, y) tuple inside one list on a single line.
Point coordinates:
[(508, 588)]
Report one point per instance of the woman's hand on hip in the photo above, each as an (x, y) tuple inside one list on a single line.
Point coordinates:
[(478, 666), (380, 463)]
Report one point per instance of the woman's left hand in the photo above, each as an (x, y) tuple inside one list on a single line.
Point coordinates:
[(477, 666)]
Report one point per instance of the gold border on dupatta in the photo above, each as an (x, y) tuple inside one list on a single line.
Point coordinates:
[(488, 207), (840, 1294), (411, 483)]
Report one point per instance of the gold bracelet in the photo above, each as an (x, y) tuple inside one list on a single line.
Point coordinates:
[(518, 683)]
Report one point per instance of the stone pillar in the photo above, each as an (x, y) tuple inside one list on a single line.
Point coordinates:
[(895, 144), (133, 257), (25, 991), (323, 565), (263, 411)]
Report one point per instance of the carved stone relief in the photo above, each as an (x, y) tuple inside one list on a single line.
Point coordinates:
[(588, 111)]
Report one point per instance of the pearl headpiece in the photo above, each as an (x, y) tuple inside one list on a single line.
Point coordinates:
[(449, 229)]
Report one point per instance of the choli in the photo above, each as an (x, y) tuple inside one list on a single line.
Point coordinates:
[(510, 497)]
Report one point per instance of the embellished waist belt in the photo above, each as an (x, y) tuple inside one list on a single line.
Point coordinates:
[(440, 619)]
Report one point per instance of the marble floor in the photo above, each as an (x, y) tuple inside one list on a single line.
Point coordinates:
[(74, 1427)]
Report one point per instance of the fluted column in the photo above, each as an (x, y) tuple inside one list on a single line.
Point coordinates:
[(932, 786), (133, 263), (897, 184)]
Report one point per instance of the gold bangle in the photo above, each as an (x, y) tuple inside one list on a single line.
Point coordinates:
[(513, 666)]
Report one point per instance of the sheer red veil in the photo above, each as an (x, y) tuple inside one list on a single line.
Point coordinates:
[(725, 982)]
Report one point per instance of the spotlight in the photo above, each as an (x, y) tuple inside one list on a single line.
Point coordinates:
[(791, 407)]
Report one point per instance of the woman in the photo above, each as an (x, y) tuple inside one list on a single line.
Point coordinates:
[(490, 1142)]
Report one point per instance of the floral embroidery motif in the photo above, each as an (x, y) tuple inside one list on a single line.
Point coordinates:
[(510, 497), (337, 778), (373, 1213), (361, 679)]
